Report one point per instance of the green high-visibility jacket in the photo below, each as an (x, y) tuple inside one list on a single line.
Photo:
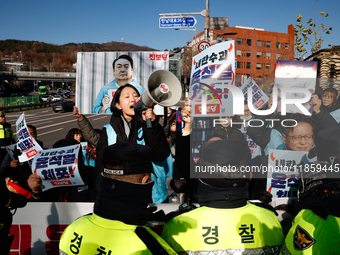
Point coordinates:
[(311, 234), (6, 134), (92, 234), (245, 230)]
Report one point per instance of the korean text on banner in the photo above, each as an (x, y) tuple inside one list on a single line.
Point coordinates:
[(259, 97), (25, 142), (284, 167), (212, 70), (58, 167)]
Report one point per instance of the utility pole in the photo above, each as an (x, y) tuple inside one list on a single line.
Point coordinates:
[(206, 20)]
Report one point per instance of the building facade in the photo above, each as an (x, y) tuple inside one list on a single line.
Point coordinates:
[(256, 50), (328, 67)]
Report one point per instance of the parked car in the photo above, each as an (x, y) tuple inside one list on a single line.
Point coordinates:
[(45, 98), (57, 97), (63, 106), (67, 95)]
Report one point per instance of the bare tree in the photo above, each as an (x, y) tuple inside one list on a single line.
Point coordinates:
[(309, 34)]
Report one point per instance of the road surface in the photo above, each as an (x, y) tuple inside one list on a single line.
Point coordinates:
[(52, 126)]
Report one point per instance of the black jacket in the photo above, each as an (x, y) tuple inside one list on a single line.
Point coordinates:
[(261, 135), (12, 200), (324, 120), (88, 131), (154, 137), (234, 134)]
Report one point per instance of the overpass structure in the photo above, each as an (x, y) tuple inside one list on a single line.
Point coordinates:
[(41, 76)]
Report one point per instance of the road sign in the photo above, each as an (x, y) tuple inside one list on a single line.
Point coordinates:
[(219, 23), (203, 45), (177, 22)]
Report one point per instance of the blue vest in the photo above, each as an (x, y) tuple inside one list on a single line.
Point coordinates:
[(275, 141)]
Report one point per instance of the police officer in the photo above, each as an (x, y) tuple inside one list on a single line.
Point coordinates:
[(224, 223), (6, 135), (315, 229), (117, 225)]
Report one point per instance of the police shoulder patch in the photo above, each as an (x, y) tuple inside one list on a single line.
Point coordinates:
[(302, 240)]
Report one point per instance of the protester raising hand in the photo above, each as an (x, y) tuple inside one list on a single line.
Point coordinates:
[(76, 114), (186, 114), (89, 133), (315, 103)]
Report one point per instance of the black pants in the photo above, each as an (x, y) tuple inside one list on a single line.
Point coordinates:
[(5, 226)]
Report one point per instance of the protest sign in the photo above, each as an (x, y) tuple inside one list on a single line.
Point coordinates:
[(83, 146), (201, 129), (58, 167), (336, 115), (25, 142), (284, 168), (255, 149), (10, 149), (179, 121), (213, 70), (111, 93), (259, 97), (96, 78), (295, 75)]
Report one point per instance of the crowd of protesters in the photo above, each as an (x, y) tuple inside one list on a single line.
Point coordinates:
[(235, 212)]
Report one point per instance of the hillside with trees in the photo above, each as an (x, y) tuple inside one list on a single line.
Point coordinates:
[(40, 56)]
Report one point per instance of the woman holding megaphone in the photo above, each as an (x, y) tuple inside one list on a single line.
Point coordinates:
[(128, 125)]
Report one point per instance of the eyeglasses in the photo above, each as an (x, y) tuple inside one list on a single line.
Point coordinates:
[(297, 138), (328, 97)]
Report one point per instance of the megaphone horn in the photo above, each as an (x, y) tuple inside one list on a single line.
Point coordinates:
[(163, 88)]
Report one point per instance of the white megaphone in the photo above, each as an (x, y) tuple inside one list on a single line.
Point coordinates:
[(163, 88)]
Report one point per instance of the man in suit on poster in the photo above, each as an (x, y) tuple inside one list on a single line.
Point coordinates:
[(123, 70)]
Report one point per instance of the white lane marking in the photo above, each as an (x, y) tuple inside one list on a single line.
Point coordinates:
[(60, 123), (17, 116), (60, 116), (44, 119), (100, 118), (55, 130)]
